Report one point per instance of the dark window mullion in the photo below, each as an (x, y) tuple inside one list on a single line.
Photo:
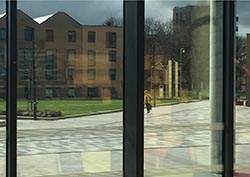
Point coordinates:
[(11, 83), (228, 87), (133, 113)]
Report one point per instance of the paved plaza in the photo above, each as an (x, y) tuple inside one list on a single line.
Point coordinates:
[(177, 144)]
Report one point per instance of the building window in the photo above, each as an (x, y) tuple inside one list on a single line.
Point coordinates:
[(29, 34), (181, 17), (27, 57), (3, 72), (50, 59), (91, 74), (71, 36), (2, 34), (49, 35), (24, 74), (2, 63), (50, 74), (112, 56), (176, 18), (2, 56), (92, 91), (91, 57), (111, 39), (71, 74), (70, 56), (112, 92), (71, 92), (112, 74), (49, 92), (91, 37)]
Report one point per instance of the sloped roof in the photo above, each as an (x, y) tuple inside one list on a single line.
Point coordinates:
[(42, 19), (2, 15)]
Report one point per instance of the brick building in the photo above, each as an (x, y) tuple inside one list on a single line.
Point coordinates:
[(65, 58)]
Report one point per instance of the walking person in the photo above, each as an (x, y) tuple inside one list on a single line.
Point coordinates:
[(147, 101)]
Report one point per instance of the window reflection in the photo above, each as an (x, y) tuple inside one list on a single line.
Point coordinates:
[(242, 90), (182, 137), (2, 34), (70, 69), (3, 75)]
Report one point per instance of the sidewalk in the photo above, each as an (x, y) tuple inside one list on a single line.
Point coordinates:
[(177, 143)]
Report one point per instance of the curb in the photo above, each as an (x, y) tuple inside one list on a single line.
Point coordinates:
[(63, 117), (85, 114)]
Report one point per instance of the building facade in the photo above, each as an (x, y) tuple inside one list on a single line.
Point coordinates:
[(59, 57), (195, 20)]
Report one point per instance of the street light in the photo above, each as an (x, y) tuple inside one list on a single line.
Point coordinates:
[(153, 83), (182, 51), (31, 37)]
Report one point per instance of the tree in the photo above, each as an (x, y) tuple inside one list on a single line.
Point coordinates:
[(166, 39), (241, 70), (113, 21)]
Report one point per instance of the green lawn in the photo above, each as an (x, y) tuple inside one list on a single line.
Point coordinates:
[(69, 107)]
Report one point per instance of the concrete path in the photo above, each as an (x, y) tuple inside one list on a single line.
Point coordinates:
[(177, 144)]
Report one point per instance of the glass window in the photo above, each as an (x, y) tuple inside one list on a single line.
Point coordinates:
[(27, 57), (113, 92), (2, 56), (3, 73), (71, 57), (111, 39), (182, 62), (66, 82), (49, 92), (71, 36), (25, 74), (242, 90), (2, 33), (71, 92), (50, 74), (49, 35), (91, 74), (112, 55), (71, 74), (3, 90), (28, 34), (91, 36), (71, 54), (93, 92), (50, 59), (112, 74), (91, 57)]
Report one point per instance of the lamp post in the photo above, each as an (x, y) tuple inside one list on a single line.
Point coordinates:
[(153, 71), (182, 51), (153, 83), (31, 37)]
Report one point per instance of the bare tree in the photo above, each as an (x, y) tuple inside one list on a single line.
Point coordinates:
[(241, 68), (113, 21), (166, 39)]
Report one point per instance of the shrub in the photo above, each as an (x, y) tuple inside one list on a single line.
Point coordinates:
[(45, 113)]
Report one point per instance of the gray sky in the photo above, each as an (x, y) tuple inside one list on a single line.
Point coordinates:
[(96, 11)]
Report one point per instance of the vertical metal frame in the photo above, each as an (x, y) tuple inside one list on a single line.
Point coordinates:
[(228, 87), (133, 107), (11, 83)]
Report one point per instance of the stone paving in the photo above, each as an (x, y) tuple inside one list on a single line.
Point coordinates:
[(177, 142)]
